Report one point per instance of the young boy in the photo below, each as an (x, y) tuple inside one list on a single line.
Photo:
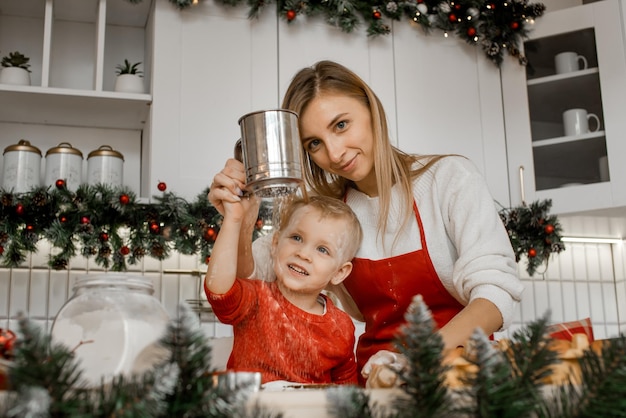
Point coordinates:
[(287, 329)]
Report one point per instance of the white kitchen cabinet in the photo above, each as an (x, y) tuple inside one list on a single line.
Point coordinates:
[(304, 42), (211, 66), (579, 172), (74, 48), (448, 100)]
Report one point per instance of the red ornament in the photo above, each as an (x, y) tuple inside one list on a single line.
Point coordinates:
[(548, 229), (291, 14), (60, 183), (452, 17), (532, 253), (210, 234), (124, 199), (514, 25), (29, 227), (162, 186), (7, 340), (377, 14), (471, 31), (84, 220), (154, 227), (19, 209), (104, 237), (124, 250), (62, 219)]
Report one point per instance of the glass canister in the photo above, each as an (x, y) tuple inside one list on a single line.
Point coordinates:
[(22, 167), (114, 324), (105, 165), (64, 162)]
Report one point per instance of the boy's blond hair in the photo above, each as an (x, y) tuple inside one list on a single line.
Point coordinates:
[(328, 207)]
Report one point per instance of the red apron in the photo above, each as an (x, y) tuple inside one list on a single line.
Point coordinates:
[(383, 289)]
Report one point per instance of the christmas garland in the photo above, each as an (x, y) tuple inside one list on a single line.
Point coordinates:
[(109, 224), (46, 379), (533, 232), (112, 226), (495, 26)]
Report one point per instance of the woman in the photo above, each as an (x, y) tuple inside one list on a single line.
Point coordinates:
[(430, 225)]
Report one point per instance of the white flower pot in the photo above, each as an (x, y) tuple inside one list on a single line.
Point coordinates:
[(129, 83), (15, 75)]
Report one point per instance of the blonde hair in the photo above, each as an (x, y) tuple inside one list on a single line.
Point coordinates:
[(390, 164), (327, 207)]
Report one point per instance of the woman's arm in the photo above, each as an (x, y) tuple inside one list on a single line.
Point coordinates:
[(479, 313)]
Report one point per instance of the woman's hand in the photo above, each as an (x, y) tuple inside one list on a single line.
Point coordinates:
[(227, 185), (383, 368)]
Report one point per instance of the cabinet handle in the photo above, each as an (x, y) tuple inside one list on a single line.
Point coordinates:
[(521, 184)]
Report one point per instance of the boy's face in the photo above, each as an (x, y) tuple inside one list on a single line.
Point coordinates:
[(309, 252)]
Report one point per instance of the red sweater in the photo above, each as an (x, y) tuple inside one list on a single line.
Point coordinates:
[(283, 342)]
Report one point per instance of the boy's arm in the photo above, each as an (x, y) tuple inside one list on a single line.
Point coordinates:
[(222, 268)]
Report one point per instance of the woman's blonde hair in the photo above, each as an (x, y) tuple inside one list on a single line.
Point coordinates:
[(390, 164)]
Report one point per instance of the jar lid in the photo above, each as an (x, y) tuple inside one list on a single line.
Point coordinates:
[(125, 281), (105, 151), (64, 148), (22, 145)]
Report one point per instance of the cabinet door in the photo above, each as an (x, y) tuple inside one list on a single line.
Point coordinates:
[(302, 44), (549, 155), (211, 66), (449, 102)]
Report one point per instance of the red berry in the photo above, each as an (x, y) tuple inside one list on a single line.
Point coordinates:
[(548, 229), (19, 209), (514, 25), (377, 14), (60, 183), (124, 199), (29, 227), (104, 237), (124, 250), (210, 234), (63, 219), (162, 186), (154, 227), (532, 252), (84, 220), (452, 17), (471, 31), (291, 15)]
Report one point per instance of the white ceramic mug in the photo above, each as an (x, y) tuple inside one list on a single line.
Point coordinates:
[(566, 62), (576, 122)]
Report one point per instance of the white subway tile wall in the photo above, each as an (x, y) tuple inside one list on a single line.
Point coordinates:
[(586, 280)]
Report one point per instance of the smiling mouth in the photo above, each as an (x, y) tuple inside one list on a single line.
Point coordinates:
[(347, 165), (298, 270)]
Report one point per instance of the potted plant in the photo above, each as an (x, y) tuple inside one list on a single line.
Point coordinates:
[(15, 69), (129, 78)]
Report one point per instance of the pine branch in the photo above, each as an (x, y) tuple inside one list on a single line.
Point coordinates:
[(422, 346), (495, 394), (348, 402)]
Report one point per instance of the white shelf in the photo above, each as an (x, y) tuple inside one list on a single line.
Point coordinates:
[(559, 77), (69, 107), (567, 139)]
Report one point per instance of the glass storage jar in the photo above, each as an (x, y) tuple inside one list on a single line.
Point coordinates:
[(114, 324)]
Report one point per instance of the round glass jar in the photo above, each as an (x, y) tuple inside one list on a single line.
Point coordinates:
[(22, 167), (105, 165), (64, 162), (114, 324)]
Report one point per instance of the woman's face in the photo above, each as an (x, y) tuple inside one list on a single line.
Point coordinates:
[(336, 132)]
